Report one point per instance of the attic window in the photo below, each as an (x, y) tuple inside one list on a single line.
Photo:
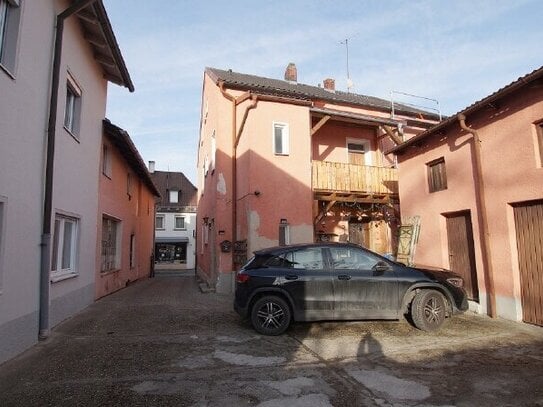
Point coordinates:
[(174, 196), (437, 176)]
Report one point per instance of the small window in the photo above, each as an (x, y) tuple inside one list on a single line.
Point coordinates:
[(159, 222), (174, 196), (213, 152), (106, 161), (540, 141), (180, 223), (358, 152), (280, 139), (284, 234), (129, 185), (437, 176), (10, 15), (63, 256), (72, 110), (111, 243)]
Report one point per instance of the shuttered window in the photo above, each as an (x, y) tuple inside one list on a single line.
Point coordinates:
[(437, 176)]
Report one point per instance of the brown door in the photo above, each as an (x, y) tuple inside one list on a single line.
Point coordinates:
[(461, 251), (358, 233), (529, 228)]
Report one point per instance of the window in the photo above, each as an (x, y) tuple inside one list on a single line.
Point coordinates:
[(10, 14), (213, 152), (280, 138), (106, 161), (284, 234), (540, 141), (437, 177), (358, 152), (180, 223), (63, 256), (72, 111), (308, 259), (111, 233), (174, 196), (159, 222), (129, 185), (352, 259)]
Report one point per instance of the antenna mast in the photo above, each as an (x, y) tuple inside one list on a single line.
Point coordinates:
[(349, 81)]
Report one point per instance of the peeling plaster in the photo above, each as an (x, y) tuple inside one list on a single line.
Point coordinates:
[(221, 184)]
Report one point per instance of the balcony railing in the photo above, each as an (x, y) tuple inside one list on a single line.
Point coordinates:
[(340, 177)]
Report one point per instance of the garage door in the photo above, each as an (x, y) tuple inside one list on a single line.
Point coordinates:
[(529, 229)]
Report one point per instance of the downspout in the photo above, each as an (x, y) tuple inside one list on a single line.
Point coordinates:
[(45, 246), (482, 215)]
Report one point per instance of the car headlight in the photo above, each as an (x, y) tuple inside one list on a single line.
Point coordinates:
[(456, 281)]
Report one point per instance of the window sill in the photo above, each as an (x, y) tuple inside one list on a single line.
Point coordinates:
[(6, 71), (181, 230), (108, 272), (72, 134), (57, 277)]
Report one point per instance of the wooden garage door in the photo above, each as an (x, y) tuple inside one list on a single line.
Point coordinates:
[(461, 251), (529, 228)]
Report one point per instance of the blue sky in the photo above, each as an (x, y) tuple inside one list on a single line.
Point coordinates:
[(454, 51)]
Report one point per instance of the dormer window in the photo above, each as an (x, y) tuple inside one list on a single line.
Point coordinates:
[(174, 196)]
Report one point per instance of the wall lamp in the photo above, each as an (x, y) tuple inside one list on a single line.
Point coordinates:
[(255, 193)]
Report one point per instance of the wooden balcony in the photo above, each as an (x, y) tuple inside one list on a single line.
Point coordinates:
[(356, 180)]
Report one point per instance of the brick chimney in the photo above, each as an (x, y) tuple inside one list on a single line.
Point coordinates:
[(291, 73), (329, 84)]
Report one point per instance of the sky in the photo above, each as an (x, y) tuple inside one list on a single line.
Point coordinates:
[(455, 51)]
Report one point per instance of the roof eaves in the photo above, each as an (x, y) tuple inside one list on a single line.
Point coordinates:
[(500, 93)]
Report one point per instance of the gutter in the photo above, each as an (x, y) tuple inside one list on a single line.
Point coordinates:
[(45, 245), (482, 215)]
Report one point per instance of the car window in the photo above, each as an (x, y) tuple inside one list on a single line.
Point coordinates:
[(306, 259), (349, 258)]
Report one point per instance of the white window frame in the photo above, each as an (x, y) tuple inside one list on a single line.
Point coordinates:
[(106, 160), (163, 222), (173, 196), (58, 248), (72, 108), (3, 211), (10, 18), (285, 138), (109, 262), (361, 142), (184, 223)]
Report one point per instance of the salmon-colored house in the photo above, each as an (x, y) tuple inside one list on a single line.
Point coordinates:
[(476, 181), (126, 214), (281, 162)]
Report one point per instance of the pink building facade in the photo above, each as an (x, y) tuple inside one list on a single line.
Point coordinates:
[(481, 201), (282, 162), (126, 215)]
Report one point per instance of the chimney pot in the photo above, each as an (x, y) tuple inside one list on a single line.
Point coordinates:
[(329, 84), (291, 73), (151, 167)]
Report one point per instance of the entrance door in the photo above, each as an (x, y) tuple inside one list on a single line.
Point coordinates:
[(461, 251), (529, 228), (359, 233)]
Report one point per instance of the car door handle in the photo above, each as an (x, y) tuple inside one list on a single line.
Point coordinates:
[(344, 277), (291, 277)]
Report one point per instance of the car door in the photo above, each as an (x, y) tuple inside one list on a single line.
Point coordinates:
[(309, 283), (365, 286)]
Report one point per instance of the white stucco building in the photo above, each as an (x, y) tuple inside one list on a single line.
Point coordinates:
[(50, 159)]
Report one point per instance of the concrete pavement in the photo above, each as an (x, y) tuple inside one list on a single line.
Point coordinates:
[(162, 342)]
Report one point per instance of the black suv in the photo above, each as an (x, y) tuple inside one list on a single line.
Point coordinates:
[(341, 281)]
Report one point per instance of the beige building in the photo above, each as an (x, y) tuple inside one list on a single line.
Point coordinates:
[(56, 59)]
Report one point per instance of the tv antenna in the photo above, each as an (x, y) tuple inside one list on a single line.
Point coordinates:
[(349, 81)]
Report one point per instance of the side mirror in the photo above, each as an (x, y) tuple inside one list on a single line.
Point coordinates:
[(382, 267)]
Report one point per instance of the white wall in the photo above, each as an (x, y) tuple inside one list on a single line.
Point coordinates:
[(189, 232)]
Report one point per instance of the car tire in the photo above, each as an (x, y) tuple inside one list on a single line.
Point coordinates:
[(270, 315), (428, 310)]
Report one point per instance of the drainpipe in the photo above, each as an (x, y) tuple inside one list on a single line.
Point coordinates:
[(45, 245), (482, 215), (236, 136)]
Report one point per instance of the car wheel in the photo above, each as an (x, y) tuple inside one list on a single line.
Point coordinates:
[(270, 315), (428, 310)]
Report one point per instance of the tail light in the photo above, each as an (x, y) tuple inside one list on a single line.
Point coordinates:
[(242, 277)]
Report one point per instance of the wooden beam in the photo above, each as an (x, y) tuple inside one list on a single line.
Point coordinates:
[(104, 59), (88, 17), (382, 199), (324, 211), (321, 123), (395, 138), (95, 40)]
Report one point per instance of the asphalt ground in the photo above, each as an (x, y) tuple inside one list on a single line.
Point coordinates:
[(162, 342)]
